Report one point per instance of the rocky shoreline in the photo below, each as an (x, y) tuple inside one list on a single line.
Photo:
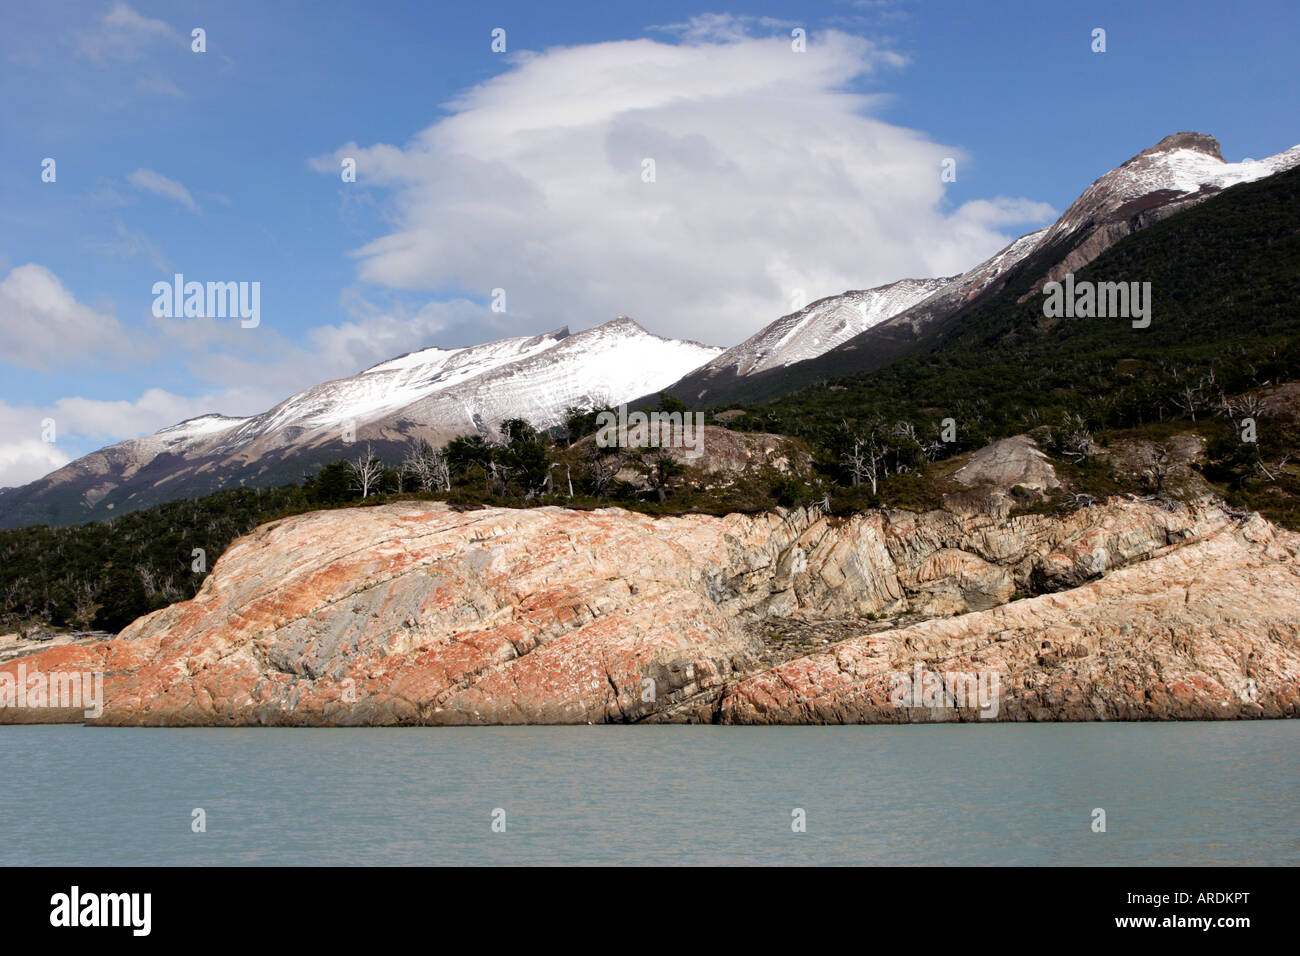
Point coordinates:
[(14, 646), (418, 614)]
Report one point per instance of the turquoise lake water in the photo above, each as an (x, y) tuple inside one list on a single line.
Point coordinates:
[(973, 794)]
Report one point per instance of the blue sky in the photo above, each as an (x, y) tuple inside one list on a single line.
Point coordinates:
[(522, 170)]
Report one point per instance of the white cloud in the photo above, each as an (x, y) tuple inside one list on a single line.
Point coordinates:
[(376, 334), (725, 27), (42, 325), (770, 176), (1002, 211), (159, 85), (266, 368), (129, 244), (124, 34), (28, 459), (110, 421), (160, 185), (82, 425)]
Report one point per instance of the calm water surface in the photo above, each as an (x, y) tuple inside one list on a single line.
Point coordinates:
[(1189, 793)]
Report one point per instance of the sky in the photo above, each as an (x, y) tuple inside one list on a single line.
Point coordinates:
[(685, 165)]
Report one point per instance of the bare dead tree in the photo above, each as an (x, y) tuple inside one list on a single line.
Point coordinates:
[(906, 432), (855, 460), (866, 459), (364, 472), (601, 467), (1245, 406), (415, 465), (909, 438), (1226, 408), (500, 475), (547, 485), (440, 469), (1077, 440), (1189, 399), (428, 466), (1155, 466), (84, 606), (1262, 468)]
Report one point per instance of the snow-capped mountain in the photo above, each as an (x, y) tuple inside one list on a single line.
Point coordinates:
[(832, 322), (1179, 171), (610, 364), (1179, 167), (823, 325), (384, 390), (440, 393), (434, 393)]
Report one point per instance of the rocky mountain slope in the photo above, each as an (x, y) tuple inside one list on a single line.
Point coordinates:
[(435, 393), (805, 334), (416, 613), (1178, 172)]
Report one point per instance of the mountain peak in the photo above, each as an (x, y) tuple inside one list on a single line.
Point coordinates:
[(1198, 142), (622, 323)]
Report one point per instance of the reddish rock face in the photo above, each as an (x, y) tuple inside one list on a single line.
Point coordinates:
[(414, 613), (421, 614), (1208, 631)]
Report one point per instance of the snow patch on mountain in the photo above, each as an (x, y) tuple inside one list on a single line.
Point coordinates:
[(390, 386), (607, 365), (444, 392), (821, 326), (1184, 163)]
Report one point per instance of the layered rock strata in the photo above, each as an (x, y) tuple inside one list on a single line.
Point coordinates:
[(416, 613)]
